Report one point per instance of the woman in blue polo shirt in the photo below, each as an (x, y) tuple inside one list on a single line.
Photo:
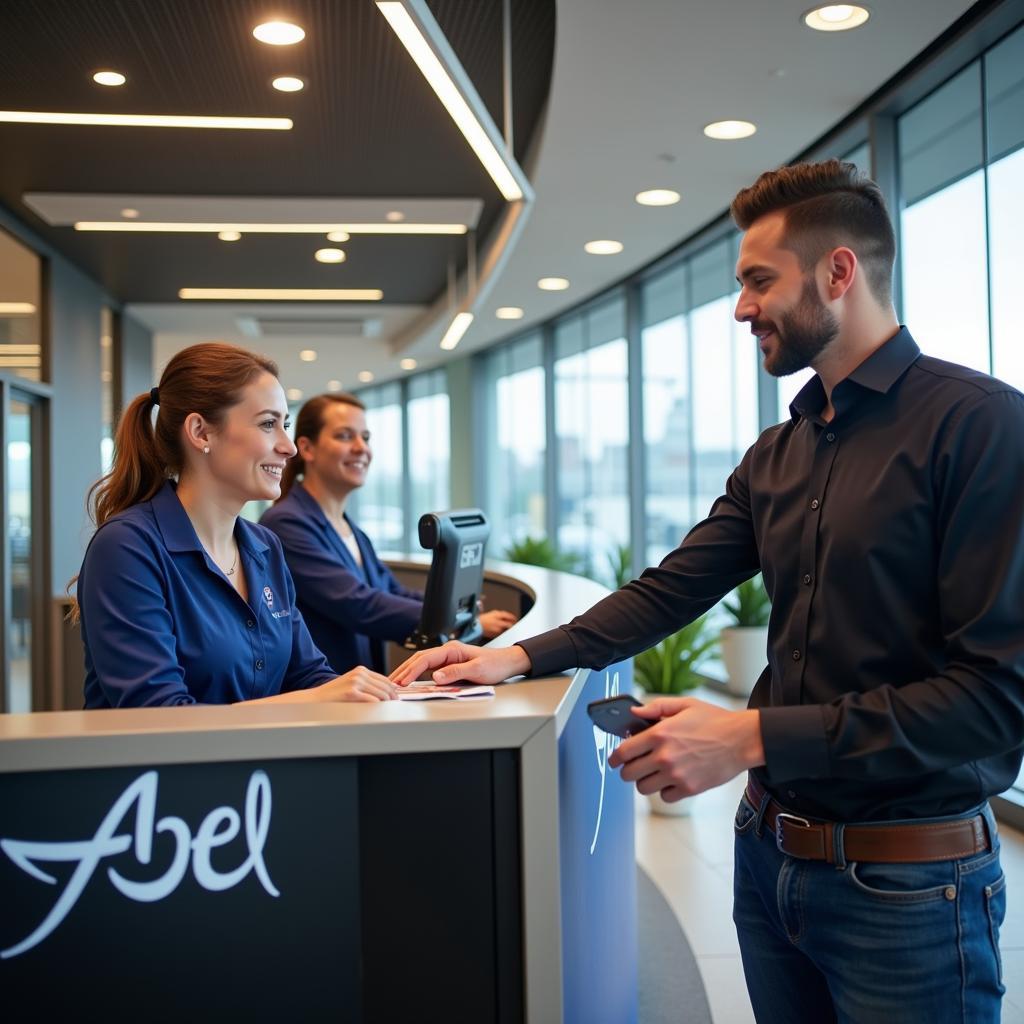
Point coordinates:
[(180, 600), (349, 598)]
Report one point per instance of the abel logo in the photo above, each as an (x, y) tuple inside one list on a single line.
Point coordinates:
[(605, 743), (219, 827), (268, 596)]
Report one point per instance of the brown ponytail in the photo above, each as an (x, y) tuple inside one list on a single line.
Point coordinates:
[(208, 379), (308, 424)]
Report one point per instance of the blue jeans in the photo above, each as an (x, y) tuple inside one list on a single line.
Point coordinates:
[(868, 943)]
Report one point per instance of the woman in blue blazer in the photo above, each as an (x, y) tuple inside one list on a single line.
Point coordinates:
[(349, 598), (181, 601)]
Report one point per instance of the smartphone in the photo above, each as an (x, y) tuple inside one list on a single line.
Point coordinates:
[(615, 715)]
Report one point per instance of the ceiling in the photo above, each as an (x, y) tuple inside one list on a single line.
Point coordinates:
[(612, 103)]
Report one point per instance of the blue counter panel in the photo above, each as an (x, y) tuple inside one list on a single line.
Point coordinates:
[(598, 871)]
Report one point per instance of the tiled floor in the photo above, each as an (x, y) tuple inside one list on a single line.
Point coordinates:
[(690, 860)]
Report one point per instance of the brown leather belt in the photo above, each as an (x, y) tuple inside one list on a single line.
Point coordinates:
[(812, 839)]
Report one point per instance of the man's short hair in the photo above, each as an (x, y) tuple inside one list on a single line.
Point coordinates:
[(826, 205)]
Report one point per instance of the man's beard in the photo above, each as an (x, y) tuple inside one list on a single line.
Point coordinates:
[(802, 334)]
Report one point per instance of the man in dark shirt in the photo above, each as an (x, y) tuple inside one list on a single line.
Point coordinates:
[(887, 516)]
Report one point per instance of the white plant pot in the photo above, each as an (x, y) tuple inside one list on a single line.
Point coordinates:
[(745, 653), (675, 810)]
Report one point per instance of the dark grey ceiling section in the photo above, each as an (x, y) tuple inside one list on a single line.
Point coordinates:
[(366, 125)]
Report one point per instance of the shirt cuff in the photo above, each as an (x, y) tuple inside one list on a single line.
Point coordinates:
[(549, 653), (794, 742)]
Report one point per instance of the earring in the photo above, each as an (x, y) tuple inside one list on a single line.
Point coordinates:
[(206, 449)]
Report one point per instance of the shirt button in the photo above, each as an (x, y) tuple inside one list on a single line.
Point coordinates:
[(830, 436), (807, 579), (250, 624), (791, 794), (797, 655), (815, 503), (259, 664)]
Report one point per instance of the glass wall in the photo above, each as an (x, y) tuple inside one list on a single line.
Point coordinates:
[(20, 310), (592, 434), (378, 505), (429, 447), (961, 164), (515, 442), (699, 394)]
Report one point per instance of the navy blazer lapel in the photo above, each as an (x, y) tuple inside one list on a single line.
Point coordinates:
[(334, 541), (367, 552)]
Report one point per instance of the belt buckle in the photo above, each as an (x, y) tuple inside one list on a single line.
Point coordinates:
[(785, 816)]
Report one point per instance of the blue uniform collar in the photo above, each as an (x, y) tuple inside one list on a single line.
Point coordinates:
[(311, 507), (180, 535), (878, 373)]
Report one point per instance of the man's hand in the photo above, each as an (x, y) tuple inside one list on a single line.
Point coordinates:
[(455, 662), (693, 747), (495, 623)]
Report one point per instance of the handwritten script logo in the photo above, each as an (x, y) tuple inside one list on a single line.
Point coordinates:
[(605, 743), (219, 827)]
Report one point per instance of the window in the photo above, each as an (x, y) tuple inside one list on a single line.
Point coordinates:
[(699, 392), (377, 505), (514, 438), (592, 432), (1004, 108), (429, 448)]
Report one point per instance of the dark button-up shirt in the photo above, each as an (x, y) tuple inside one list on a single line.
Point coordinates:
[(892, 545), (162, 625)]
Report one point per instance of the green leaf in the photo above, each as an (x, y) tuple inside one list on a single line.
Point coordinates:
[(672, 666), (749, 604)]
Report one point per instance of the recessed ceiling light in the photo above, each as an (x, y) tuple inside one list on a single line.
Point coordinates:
[(553, 284), (338, 236), (836, 17), (408, 364), (294, 394), (130, 213), (279, 33), (729, 129), (394, 216), (365, 376), (308, 355), (657, 197), (603, 247), (456, 329), (109, 78), (229, 236), (329, 256), (280, 124), (508, 313), (288, 83), (334, 385), (284, 294)]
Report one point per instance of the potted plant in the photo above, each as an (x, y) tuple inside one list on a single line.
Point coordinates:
[(542, 552), (745, 642), (670, 669)]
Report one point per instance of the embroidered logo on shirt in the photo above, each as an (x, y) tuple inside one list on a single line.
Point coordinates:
[(268, 596)]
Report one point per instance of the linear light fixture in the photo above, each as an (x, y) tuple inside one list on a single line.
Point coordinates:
[(185, 227), (410, 32), (280, 124), (16, 309), (284, 294), (456, 329)]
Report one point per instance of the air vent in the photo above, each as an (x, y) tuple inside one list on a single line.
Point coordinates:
[(308, 327)]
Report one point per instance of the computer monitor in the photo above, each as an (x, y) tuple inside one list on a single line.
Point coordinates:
[(456, 577)]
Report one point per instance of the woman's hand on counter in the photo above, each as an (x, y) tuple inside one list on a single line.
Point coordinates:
[(360, 685), (457, 662), (495, 623)]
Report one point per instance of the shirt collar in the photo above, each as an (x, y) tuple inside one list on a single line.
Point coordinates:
[(879, 372), (179, 534), (314, 508)]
